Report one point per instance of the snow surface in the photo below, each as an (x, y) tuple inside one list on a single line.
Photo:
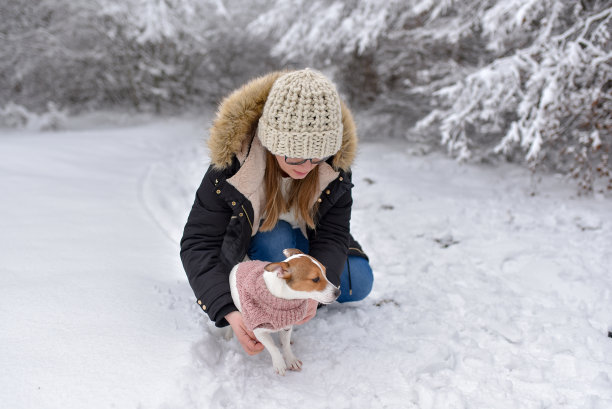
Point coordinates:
[(485, 295)]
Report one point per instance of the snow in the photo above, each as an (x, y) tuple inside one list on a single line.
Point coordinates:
[(492, 288)]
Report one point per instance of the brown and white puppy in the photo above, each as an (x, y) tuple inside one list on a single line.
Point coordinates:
[(273, 297)]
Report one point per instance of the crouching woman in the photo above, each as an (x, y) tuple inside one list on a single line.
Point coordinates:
[(281, 149)]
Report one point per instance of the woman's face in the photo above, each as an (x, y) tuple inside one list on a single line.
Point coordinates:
[(295, 171)]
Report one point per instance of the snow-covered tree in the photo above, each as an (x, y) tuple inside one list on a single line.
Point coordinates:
[(47, 47), (547, 103), (387, 57), (148, 54), (525, 79)]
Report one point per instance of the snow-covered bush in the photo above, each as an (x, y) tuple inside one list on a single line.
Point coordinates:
[(51, 120), (17, 116), (14, 116)]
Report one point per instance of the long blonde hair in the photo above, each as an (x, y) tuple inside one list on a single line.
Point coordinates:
[(301, 196)]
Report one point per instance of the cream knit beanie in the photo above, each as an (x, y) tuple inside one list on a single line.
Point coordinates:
[(302, 117)]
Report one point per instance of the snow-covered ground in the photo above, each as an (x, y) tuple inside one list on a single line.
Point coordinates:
[(486, 296)]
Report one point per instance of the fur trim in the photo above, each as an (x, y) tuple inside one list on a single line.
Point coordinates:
[(237, 118)]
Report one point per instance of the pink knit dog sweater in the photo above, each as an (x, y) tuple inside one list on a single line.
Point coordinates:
[(260, 309)]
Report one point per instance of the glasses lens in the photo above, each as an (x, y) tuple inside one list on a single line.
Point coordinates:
[(295, 161), (317, 161), (298, 161)]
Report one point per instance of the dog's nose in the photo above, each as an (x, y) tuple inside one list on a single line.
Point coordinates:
[(337, 292)]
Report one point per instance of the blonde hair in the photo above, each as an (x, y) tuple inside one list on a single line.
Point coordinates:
[(301, 196)]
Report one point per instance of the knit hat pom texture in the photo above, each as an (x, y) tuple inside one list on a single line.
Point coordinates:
[(302, 117)]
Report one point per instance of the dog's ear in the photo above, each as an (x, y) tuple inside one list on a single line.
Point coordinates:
[(291, 252), (281, 269)]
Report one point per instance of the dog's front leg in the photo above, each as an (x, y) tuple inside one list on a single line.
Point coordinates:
[(265, 337), (285, 339)]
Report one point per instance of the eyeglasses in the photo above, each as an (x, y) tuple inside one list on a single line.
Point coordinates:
[(298, 161)]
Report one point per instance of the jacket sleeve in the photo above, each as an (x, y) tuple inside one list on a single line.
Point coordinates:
[(329, 241), (201, 250)]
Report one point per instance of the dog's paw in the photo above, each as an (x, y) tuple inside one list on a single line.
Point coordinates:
[(294, 364), (279, 366)]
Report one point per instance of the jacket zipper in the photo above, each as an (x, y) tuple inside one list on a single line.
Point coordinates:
[(247, 216), (348, 267)]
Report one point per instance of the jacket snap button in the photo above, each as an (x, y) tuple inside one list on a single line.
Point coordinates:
[(200, 302), (218, 191), (241, 214), (319, 200), (233, 203), (340, 178), (328, 191), (204, 308)]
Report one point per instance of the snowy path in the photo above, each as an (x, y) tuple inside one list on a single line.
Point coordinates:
[(87, 278), (485, 296)]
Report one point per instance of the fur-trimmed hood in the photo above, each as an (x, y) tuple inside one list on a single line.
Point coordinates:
[(239, 113)]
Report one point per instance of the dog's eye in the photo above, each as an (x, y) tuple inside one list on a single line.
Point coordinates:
[(315, 280)]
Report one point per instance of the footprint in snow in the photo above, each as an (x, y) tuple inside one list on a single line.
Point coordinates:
[(446, 241)]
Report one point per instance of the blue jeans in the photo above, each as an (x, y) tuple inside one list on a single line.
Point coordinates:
[(269, 246)]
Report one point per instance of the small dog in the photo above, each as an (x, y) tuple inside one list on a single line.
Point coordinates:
[(273, 297)]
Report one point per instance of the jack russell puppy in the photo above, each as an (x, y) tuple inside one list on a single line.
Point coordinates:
[(272, 297)]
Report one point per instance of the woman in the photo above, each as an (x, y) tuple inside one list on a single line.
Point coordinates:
[(281, 149)]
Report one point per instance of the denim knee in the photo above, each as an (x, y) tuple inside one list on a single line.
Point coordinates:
[(357, 285), (269, 245)]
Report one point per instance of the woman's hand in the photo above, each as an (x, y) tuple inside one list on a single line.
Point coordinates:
[(246, 338)]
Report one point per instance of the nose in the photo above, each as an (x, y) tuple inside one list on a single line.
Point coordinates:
[(306, 166), (337, 292)]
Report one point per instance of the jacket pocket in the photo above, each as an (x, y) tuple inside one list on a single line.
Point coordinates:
[(233, 247)]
